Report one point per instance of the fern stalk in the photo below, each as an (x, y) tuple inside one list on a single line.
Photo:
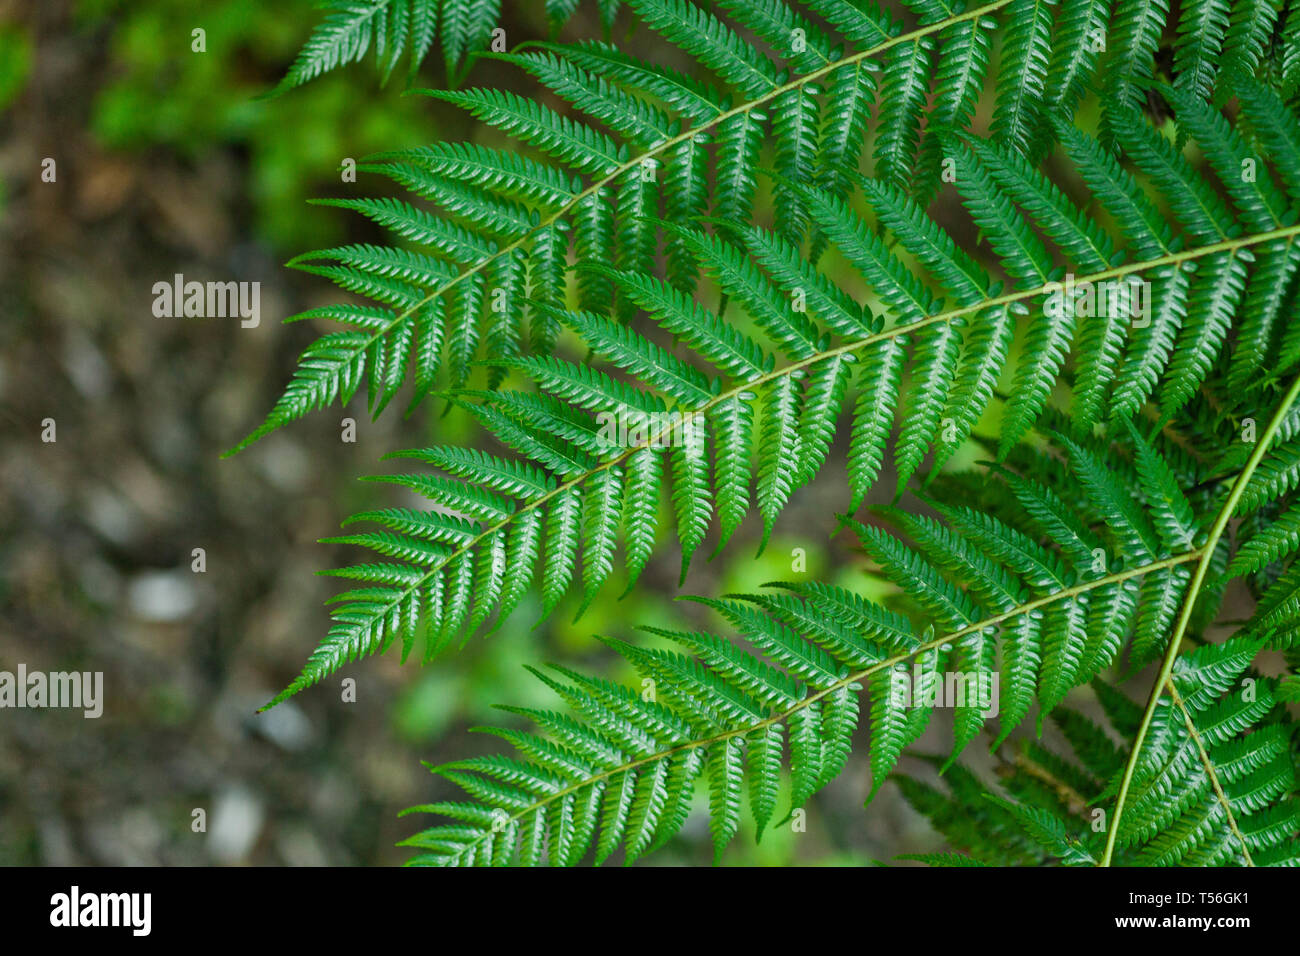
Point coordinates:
[(1213, 777), (1184, 618)]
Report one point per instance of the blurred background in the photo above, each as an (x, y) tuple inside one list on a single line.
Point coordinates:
[(166, 163)]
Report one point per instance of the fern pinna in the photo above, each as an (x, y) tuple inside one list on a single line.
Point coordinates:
[(396, 28), (1043, 599), (791, 89), (759, 400)]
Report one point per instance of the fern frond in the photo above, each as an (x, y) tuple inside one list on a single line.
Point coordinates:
[(1020, 598), (505, 220), (718, 714), (635, 140), (734, 406), (662, 129), (723, 346)]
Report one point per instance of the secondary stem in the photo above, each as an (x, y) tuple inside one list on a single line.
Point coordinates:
[(1185, 616)]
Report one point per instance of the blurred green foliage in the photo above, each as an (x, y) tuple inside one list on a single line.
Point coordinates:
[(165, 95), (15, 67), (15, 62)]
